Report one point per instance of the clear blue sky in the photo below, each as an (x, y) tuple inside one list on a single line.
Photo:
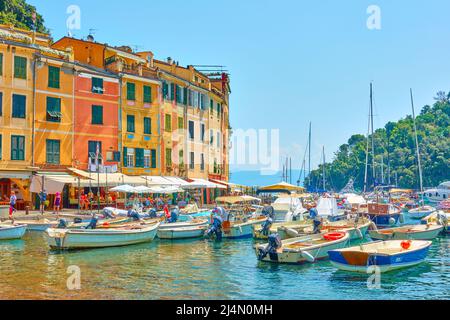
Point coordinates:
[(291, 62)]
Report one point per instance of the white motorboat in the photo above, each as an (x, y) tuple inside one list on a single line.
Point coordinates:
[(12, 231)]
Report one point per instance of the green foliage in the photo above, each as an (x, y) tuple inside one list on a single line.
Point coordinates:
[(19, 14), (395, 144)]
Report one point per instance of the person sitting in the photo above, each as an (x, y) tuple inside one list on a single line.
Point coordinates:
[(134, 215), (93, 223), (173, 216)]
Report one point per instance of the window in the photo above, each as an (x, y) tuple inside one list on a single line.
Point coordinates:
[(18, 148), (147, 126), (139, 158), (172, 92), (130, 157), (219, 109), (202, 163), (168, 157), (191, 161), (1, 104), (97, 85), (147, 159), (147, 94), (191, 130), (19, 106), (202, 132), (20, 67), (97, 114), (130, 123), (165, 90), (218, 139), (168, 123), (211, 137), (92, 151), (180, 123), (53, 151), (53, 77), (54, 109), (131, 91), (180, 95), (1, 64), (211, 106), (153, 152)]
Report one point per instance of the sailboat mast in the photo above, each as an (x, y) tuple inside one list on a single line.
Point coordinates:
[(309, 146), (324, 178), (372, 130), (417, 142), (366, 174)]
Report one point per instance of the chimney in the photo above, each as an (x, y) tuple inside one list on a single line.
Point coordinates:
[(169, 60), (90, 38)]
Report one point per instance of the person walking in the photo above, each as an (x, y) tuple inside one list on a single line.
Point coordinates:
[(42, 200), (12, 205), (57, 204)]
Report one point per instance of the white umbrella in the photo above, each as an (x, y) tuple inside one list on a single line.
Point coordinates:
[(142, 189), (124, 188), (166, 190)]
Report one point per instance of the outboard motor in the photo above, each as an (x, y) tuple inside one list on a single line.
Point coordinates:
[(274, 244), (77, 220), (107, 214), (216, 228), (93, 224), (317, 223), (173, 216), (266, 227), (62, 224), (269, 212), (133, 214), (153, 214)]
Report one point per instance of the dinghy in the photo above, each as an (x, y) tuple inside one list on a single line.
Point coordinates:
[(12, 231), (412, 232), (183, 230), (421, 212), (241, 230), (67, 239), (301, 250), (387, 255), (39, 225)]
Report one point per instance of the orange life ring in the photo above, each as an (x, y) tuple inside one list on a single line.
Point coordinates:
[(333, 236)]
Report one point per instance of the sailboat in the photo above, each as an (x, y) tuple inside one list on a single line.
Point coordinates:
[(382, 214), (423, 210)]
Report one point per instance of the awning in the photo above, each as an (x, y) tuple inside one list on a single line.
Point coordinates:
[(13, 174), (203, 184), (156, 181), (107, 179), (281, 187), (53, 182), (175, 181)]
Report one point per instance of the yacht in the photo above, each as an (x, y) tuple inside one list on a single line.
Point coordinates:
[(439, 194)]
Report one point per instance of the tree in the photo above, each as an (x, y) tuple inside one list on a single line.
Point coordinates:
[(20, 14)]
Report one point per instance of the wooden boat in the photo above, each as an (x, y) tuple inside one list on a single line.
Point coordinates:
[(67, 239), (421, 212), (241, 230), (412, 232), (12, 231), (183, 230), (303, 249), (297, 229), (39, 225), (386, 255), (383, 214)]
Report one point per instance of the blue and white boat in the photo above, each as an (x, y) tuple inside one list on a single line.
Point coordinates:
[(386, 255), (12, 231), (384, 214)]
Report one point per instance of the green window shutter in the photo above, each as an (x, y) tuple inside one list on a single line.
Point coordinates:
[(53, 151), (125, 153), (139, 158), (130, 123), (165, 89), (97, 114), (147, 94), (180, 123), (153, 153), (19, 106), (147, 126), (54, 109), (53, 77), (211, 105), (172, 91), (1, 104), (20, 67), (185, 96), (18, 148), (97, 85), (1, 147), (168, 123), (131, 91), (168, 157), (1, 64)]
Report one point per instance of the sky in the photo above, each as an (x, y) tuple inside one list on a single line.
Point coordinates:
[(291, 62)]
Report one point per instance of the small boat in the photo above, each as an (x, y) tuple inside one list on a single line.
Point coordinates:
[(241, 230), (387, 255), (383, 214), (183, 230), (67, 239), (421, 212), (39, 225), (412, 232), (327, 207), (357, 229), (301, 250), (12, 231), (438, 218)]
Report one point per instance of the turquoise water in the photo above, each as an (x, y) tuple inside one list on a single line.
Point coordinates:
[(202, 270)]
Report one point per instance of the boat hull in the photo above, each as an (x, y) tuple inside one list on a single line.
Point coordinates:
[(418, 214), (384, 220), (182, 233), (85, 239), (356, 260), (419, 232), (12, 232), (241, 230)]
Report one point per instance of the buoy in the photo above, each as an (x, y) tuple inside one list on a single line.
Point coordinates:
[(391, 221), (406, 244), (333, 236), (306, 255)]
